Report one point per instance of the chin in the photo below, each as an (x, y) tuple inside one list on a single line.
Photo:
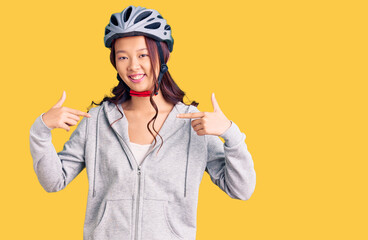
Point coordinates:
[(140, 89)]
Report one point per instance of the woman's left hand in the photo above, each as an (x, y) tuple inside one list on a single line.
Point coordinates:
[(209, 123)]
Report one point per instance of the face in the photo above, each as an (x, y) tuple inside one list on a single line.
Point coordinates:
[(133, 63)]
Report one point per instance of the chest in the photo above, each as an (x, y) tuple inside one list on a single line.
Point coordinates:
[(137, 127)]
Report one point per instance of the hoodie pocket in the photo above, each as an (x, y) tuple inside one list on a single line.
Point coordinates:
[(115, 221), (155, 223)]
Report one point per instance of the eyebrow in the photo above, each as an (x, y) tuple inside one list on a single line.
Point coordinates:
[(137, 50)]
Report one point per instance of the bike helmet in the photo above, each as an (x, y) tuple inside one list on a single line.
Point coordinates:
[(138, 21)]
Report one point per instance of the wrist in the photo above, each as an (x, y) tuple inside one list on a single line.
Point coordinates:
[(227, 128), (44, 123)]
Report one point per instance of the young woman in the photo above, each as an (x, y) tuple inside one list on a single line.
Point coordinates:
[(142, 186)]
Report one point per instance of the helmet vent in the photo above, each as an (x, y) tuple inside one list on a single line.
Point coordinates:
[(127, 14), (150, 19), (159, 16), (153, 25), (114, 20), (167, 27), (107, 31), (142, 16)]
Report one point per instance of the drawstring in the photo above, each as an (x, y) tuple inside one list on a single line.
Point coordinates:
[(186, 169), (96, 148)]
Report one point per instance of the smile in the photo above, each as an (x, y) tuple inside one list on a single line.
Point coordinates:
[(137, 78)]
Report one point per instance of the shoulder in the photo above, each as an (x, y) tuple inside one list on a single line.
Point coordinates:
[(95, 111), (193, 109), (187, 108)]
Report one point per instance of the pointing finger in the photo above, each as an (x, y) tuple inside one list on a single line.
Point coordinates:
[(190, 115), (77, 112), (73, 116)]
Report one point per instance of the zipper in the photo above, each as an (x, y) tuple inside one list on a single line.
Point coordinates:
[(138, 196), (139, 174)]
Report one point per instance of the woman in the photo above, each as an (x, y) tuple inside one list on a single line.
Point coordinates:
[(138, 190)]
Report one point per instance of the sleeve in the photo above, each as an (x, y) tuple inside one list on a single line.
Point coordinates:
[(230, 165), (56, 170)]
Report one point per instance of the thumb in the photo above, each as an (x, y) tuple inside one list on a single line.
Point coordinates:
[(216, 107), (61, 100)]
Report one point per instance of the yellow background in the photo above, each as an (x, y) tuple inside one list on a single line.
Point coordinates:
[(291, 74)]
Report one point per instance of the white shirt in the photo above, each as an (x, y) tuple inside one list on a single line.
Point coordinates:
[(139, 151)]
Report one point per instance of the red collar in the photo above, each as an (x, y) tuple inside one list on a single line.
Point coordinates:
[(140, 94)]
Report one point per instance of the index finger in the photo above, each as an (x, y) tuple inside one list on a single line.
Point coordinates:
[(77, 112), (190, 115)]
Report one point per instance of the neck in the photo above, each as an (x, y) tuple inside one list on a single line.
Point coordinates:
[(143, 104)]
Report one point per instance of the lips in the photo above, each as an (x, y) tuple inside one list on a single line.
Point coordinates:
[(136, 77)]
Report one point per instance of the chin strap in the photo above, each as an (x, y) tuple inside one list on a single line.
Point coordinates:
[(140, 94), (163, 69)]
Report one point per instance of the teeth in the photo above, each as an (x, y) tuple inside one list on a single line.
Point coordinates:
[(137, 76)]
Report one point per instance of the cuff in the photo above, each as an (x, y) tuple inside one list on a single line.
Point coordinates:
[(40, 129), (232, 135)]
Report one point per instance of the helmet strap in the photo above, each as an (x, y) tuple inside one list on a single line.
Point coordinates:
[(163, 66)]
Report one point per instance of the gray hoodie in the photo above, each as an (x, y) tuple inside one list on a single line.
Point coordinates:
[(156, 200)]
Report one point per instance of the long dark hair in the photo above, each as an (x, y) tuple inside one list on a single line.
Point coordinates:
[(169, 89)]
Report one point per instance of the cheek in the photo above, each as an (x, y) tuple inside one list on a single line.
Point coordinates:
[(120, 67), (147, 68), (118, 64), (121, 72)]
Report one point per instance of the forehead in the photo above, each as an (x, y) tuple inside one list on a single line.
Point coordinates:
[(130, 44)]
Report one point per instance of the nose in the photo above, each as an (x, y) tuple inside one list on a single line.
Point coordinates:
[(134, 64)]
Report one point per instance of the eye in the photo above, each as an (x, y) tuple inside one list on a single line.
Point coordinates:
[(121, 57), (144, 55)]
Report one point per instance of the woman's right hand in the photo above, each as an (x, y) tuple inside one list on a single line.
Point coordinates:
[(62, 117)]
